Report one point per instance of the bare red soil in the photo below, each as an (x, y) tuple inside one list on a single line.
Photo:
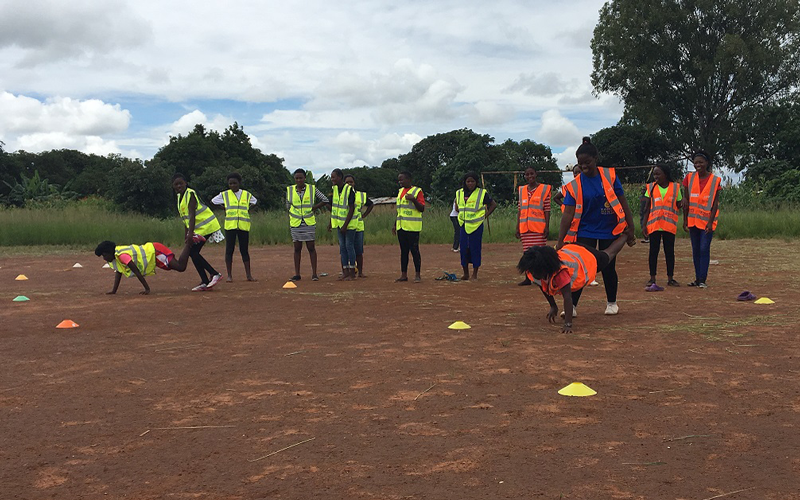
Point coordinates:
[(203, 395)]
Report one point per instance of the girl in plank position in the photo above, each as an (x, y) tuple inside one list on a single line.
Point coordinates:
[(566, 271), (141, 260)]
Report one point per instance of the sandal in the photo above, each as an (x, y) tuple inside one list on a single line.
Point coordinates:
[(315, 278), (673, 283), (651, 282), (693, 283), (296, 277), (398, 280), (654, 288)]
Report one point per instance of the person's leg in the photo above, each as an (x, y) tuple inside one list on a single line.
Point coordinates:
[(695, 235), (655, 245), (576, 296), (669, 253), (230, 246), (180, 263), (244, 249), (311, 246), (199, 262), (298, 253), (343, 253), (475, 247), (464, 249), (359, 244), (610, 278), (405, 247), (350, 246), (414, 237), (704, 257), (456, 232)]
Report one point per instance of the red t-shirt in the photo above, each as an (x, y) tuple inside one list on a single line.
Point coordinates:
[(420, 196), (561, 278)]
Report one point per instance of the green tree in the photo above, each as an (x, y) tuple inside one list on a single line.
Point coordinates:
[(512, 156), (633, 145), (690, 68), (376, 181), (144, 189)]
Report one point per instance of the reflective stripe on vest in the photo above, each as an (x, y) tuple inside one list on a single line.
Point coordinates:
[(408, 217), (144, 256), (361, 200), (663, 209), (340, 207), (701, 203), (531, 209), (471, 211), (582, 267), (607, 176), (205, 222), (301, 208), (237, 211)]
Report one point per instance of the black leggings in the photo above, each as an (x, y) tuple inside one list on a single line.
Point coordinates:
[(230, 244), (201, 264), (669, 251), (409, 242), (456, 232), (610, 278)]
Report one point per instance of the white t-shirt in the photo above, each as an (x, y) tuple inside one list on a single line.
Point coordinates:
[(219, 200), (454, 212)]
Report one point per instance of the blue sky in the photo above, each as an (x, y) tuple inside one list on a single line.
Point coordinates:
[(321, 84)]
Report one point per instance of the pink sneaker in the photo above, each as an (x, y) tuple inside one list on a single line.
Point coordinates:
[(214, 280), (197, 238)]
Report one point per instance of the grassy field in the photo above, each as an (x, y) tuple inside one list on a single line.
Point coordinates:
[(82, 226)]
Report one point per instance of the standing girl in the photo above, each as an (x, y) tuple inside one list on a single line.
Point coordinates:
[(595, 214), (533, 221), (700, 210), (474, 206), (300, 200), (361, 202), (661, 209), (456, 226), (408, 224), (237, 204), (201, 226)]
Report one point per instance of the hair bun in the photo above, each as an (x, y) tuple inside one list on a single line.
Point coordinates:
[(586, 140)]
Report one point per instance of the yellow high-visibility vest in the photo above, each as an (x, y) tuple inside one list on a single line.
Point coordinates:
[(361, 200), (205, 222), (237, 211), (144, 256), (408, 217), (340, 207), (471, 211), (301, 208)]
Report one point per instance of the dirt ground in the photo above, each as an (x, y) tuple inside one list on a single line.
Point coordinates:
[(360, 391)]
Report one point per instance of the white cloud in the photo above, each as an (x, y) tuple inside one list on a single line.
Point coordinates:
[(45, 141), (558, 130)]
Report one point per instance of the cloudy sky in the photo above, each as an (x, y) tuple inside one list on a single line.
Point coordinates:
[(322, 84)]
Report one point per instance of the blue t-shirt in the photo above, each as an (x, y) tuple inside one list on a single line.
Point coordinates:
[(598, 220)]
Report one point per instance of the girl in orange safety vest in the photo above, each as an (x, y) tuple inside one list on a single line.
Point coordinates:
[(533, 219), (662, 204), (700, 209), (567, 271), (595, 214)]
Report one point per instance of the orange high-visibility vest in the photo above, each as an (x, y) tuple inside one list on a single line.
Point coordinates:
[(700, 203), (531, 208), (608, 176), (663, 209), (580, 264)]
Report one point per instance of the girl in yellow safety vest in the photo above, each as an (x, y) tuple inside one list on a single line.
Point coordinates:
[(474, 205), (533, 220), (410, 205), (237, 203), (595, 214), (361, 202), (141, 260), (301, 201), (201, 226), (662, 207), (700, 210), (567, 271)]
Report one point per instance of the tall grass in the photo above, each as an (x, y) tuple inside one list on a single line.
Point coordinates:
[(88, 224)]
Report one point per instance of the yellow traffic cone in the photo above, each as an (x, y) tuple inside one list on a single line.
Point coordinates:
[(577, 389), (290, 284), (21, 277), (764, 300), (459, 325)]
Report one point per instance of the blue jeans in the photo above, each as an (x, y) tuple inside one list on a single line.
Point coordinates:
[(347, 248), (359, 243), (701, 252)]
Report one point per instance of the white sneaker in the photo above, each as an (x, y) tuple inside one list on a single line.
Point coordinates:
[(594, 283), (611, 309), (200, 288), (214, 280), (456, 250), (574, 313)]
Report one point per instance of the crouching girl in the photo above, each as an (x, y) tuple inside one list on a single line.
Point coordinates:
[(566, 272), (141, 260)]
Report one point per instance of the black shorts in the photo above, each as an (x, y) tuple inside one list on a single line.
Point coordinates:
[(600, 256)]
